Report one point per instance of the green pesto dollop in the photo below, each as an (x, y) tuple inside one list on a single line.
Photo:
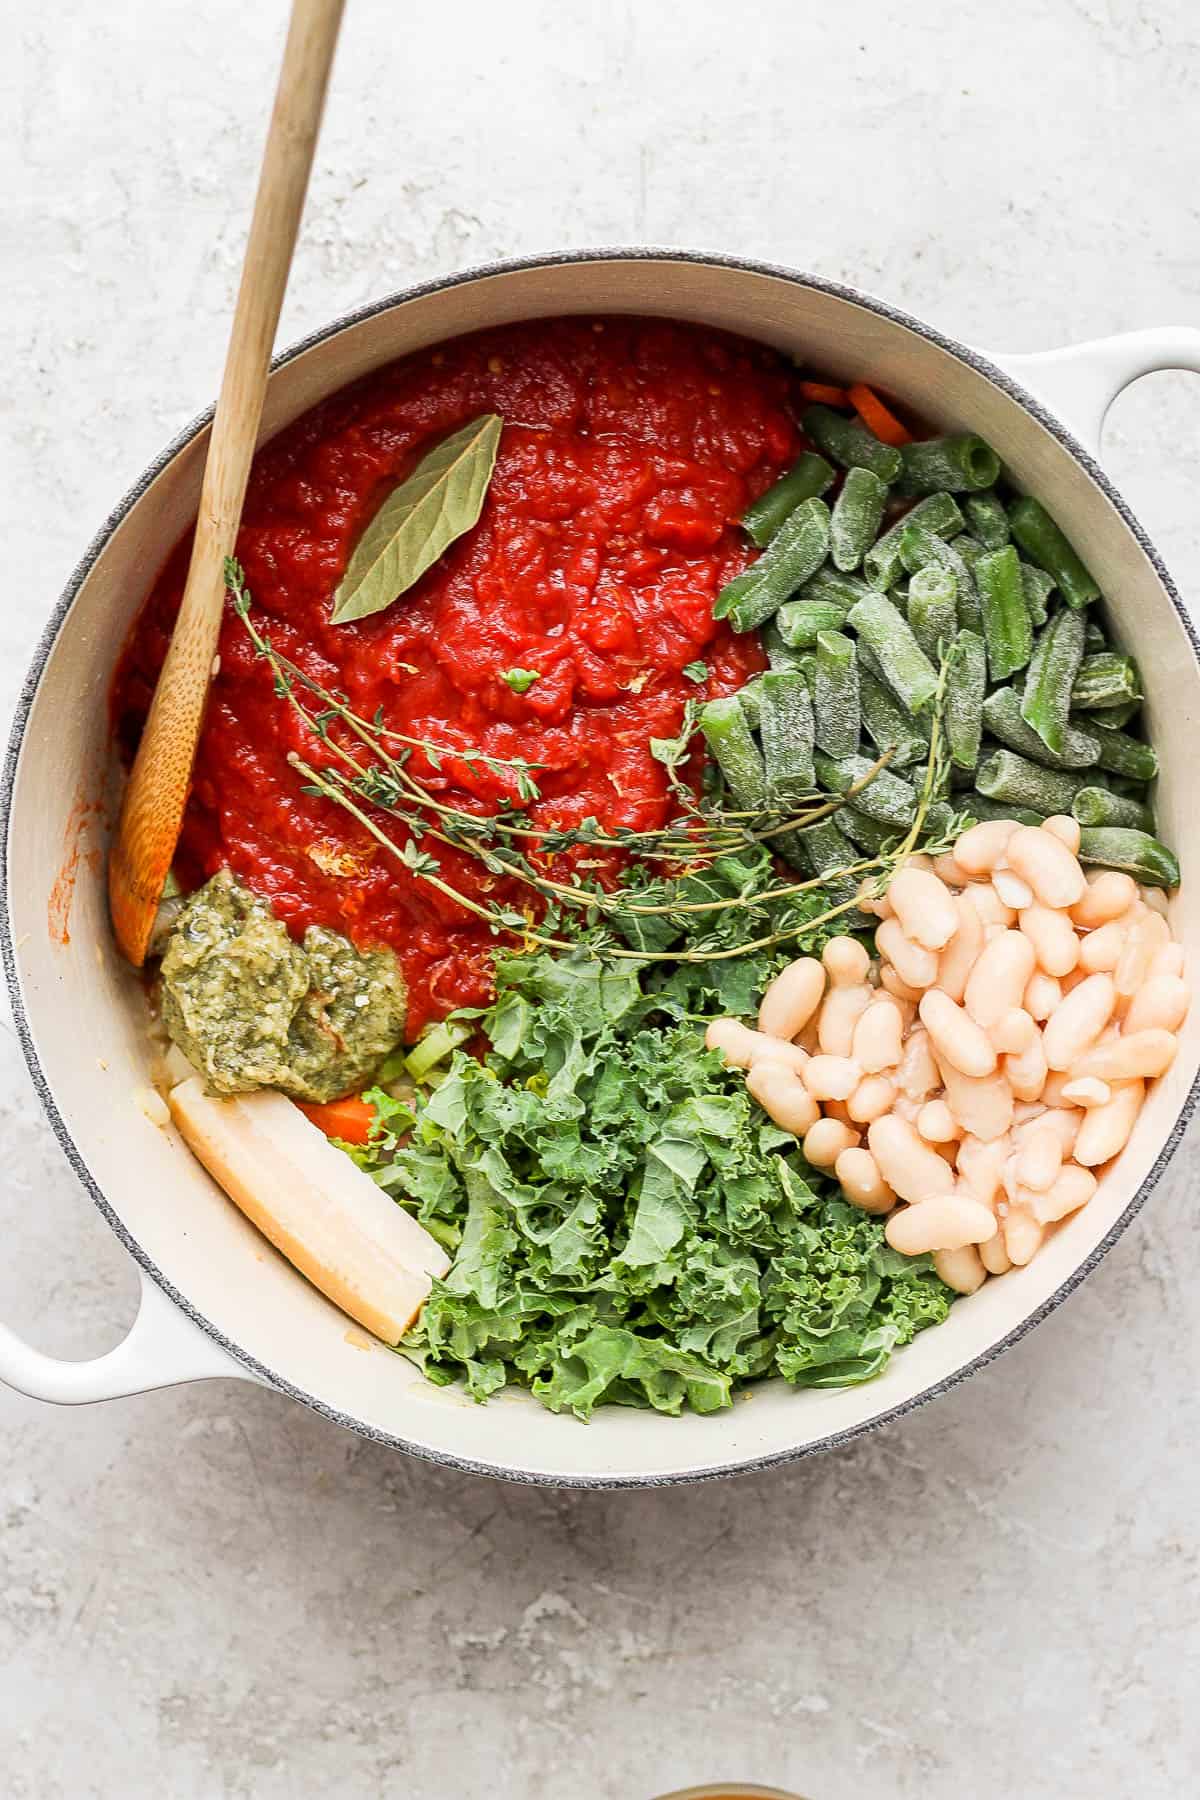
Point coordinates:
[(251, 1008)]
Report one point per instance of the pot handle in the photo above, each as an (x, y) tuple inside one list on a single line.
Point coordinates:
[(1080, 382), (163, 1347)]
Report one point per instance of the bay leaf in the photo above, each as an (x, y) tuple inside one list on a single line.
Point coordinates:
[(440, 500)]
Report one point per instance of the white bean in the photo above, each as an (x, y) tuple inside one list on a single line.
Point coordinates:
[(1139, 1053), (899, 990), (1039, 1159), (916, 966), (1105, 1130), (993, 913), (1087, 1091), (847, 962), (1022, 1236), (917, 1075), (1044, 862), (999, 979), (1013, 1032), (841, 1010), (1052, 935), (981, 1104), (734, 1040), (1043, 994), (1011, 890), (1169, 960), (948, 870), (1079, 1021), (1073, 1189), (937, 1124), (874, 1096), (878, 1041), (954, 1034), (831, 1077), (960, 1269), (869, 901), (981, 848), (1026, 1069), (825, 1140), (1065, 828), (1100, 951), (862, 1183), (1148, 934), (958, 958), (1110, 893), (1063, 1121), (908, 1109), (783, 1096), (981, 1166), (925, 910), (1162, 1001), (909, 1167), (943, 1222), (792, 998), (994, 1256)]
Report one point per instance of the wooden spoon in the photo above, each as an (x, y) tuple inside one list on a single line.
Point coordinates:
[(152, 810)]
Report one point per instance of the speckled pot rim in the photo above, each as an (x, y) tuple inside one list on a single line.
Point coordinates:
[(737, 1465)]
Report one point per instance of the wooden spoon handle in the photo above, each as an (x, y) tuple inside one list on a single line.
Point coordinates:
[(152, 811)]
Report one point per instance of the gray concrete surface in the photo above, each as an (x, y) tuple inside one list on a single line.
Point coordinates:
[(211, 1592)]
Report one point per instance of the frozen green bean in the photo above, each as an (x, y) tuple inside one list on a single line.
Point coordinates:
[(966, 684), (1046, 702), (1037, 587), (735, 752), (886, 797), (902, 663), (822, 849), (1115, 716), (1006, 628), (835, 695), (886, 723), (801, 622), (1094, 638), (932, 611), (1125, 755), (786, 723), (779, 654), (798, 548), (749, 698), (948, 465), (1105, 678), (987, 519), (983, 809), (939, 513), (849, 442), (857, 511), (1003, 717), (870, 835), (1042, 541), (807, 479), (1136, 852), (1018, 782), (920, 547), (1100, 806)]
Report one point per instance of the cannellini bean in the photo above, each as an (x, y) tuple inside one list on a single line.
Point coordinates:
[(958, 958), (1026, 1070), (831, 1077), (1008, 1177), (906, 1108), (981, 1104), (1100, 951), (1148, 933), (1055, 945), (838, 1109), (1013, 1032), (878, 1041), (1169, 960), (947, 869), (841, 1010), (994, 1256), (994, 915), (981, 1166), (1073, 1189), (1011, 890), (1022, 1235), (825, 1140), (1162, 1001), (1027, 1110), (1110, 892), (960, 1269), (925, 910), (1080, 1019), (1087, 1091), (869, 901), (1039, 1159), (1065, 828), (998, 981), (792, 998), (943, 1222), (917, 1075), (742, 1047), (937, 1124), (783, 1096), (1139, 1053), (1052, 1093), (916, 966), (909, 1167), (981, 848), (1043, 993), (862, 1183), (899, 990), (1105, 1129), (847, 961), (1044, 862), (873, 1096), (1073, 980), (954, 1034)]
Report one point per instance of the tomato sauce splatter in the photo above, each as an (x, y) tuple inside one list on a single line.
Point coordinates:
[(630, 447)]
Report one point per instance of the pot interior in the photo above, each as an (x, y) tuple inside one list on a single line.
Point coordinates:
[(85, 1011)]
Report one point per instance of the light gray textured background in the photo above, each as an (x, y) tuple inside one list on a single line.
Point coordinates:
[(210, 1592)]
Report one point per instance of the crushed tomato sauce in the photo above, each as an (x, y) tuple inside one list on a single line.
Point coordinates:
[(629, 450)]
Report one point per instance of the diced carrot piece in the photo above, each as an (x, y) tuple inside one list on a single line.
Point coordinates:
[(820, 393), (876, 416), (351, 1120)]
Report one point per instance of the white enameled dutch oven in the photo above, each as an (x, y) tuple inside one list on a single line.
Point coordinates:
[(216, 1300)]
